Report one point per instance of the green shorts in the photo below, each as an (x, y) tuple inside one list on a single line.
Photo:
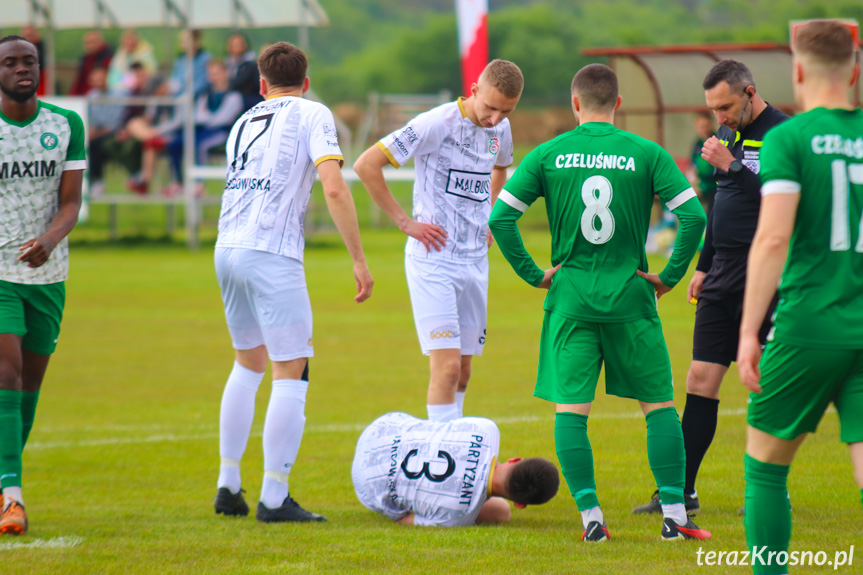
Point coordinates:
[(33, 312), (798, 383), (571, 354)]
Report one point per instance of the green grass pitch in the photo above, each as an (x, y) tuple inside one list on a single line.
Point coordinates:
[(121, 468)]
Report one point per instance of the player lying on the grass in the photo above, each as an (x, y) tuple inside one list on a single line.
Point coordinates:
[(810, 236), (598, 183), (446, 474)]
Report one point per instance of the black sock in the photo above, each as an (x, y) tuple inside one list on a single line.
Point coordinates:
[(699, 427)]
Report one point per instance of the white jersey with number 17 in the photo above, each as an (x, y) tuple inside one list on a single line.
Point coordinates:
[(272, 153)]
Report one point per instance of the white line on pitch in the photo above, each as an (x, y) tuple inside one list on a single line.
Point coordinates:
[(331, 428), (53, 543)]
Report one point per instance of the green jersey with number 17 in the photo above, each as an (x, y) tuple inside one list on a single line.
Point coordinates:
[(599, 183), (819, 154)]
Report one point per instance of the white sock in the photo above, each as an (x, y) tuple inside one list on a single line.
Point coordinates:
[(459, 400), (283, 432), (235, 422), (592, 514), (11, 494), (676, 511), (443, 413)]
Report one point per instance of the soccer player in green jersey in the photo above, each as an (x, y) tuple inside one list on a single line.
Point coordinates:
[(41, 169), (599, 183), (810, 235)]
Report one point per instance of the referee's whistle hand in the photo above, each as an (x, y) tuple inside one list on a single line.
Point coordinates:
[(716, 154)]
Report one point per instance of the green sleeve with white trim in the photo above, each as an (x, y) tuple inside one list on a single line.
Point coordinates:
[(692, 220), (76, 150)]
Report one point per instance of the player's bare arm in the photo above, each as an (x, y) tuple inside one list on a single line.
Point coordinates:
[(341, 206), (716, 154), (38, 250), (766, 262), (498, 179), (370, 168)]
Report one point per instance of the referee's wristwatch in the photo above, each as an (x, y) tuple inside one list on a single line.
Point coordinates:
[(734, 167)]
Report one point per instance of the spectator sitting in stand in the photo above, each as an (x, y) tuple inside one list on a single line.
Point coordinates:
[(238, 54), (97, 54), (104, 121), (199, 64), (216, 109), (132, 49)]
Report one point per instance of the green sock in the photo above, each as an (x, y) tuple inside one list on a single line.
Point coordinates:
[(666, 454), (768, 514), (576, 458), (10, 438), (28, 414)]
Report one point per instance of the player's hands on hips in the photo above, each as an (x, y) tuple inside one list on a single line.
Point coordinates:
[(489, 238), (364, 282), (547, 277), (660, 288), (716, 154), (37, 252), (748, 361), (430, 235), (695, 286)]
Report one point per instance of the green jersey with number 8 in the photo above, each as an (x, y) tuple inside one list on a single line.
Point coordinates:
[(599, 184), (819, 154)]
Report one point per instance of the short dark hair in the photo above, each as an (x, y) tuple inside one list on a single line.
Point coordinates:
[(15, 38), (734, 73), (596, 87), (533, 481), (283, 65)]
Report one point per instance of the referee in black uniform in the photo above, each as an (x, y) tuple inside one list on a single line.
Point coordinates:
[(720, 276)]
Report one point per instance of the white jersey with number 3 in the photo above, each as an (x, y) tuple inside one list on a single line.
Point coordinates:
[(272, 153), (438, 471), (454, 159)]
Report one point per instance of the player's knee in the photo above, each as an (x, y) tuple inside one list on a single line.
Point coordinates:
[(10, 375), (703, 382)]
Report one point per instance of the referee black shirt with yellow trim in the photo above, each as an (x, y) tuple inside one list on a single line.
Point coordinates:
[(734, 217)]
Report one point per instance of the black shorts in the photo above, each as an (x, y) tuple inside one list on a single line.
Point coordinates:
[(720, 308)]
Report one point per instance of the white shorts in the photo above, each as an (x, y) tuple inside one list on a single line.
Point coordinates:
[(449, 303), (266, 302)]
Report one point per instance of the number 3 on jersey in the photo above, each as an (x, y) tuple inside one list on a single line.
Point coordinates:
[(840, 232), (596, 193)]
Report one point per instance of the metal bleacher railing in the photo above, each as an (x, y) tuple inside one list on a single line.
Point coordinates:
[(385, 113)]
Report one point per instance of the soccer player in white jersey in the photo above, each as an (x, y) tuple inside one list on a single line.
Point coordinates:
[(445, 474), (461, 151), (41, 168), (273, 152)]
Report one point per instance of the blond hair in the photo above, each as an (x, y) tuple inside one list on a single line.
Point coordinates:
[(503, 76)]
